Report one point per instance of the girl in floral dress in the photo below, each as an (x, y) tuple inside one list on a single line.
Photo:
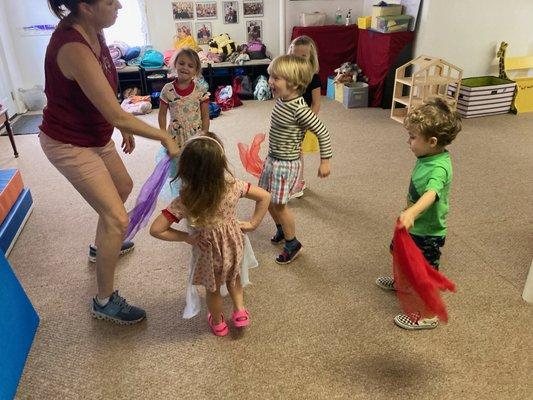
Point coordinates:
[(208, 197), (186, 99)]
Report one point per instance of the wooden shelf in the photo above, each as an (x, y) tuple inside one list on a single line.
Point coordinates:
[(429, 80)]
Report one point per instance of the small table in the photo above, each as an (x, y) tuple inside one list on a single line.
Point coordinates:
[(4, 121)]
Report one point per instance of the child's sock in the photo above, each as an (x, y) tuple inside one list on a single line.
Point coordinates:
[(279, 236), (102, 302)]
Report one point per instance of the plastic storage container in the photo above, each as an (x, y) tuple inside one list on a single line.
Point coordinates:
[(313, 19), (33, 98), (355, 95), (391, 23), (330, 93)]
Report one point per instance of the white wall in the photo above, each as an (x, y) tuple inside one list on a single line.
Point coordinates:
[(9, 64), (29, 51), (467, 33), (162, 25)]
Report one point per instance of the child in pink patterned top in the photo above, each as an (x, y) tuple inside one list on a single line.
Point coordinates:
[(208, 197)]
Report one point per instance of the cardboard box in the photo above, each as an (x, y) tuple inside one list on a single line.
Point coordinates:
[(389, 9), (391, 23)]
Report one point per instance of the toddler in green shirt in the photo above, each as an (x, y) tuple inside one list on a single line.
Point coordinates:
[(431, 127)]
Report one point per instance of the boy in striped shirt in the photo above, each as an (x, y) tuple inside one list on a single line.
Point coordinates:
[(291, 118)]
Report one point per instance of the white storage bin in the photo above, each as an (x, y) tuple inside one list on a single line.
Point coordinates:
[(33, 98), (313, 19), (483, 95), (355, 95)]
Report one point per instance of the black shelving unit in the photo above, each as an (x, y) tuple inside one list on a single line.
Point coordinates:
[(223, 73), (153, 83), (129, 77), (216, 75)]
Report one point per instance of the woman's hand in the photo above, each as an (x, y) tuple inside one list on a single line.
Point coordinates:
[(128, 142), (172, 147)]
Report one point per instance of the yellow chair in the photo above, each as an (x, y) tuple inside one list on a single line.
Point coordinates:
[(524, 84)]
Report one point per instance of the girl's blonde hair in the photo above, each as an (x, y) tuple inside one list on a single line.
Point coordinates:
[(205, 176), (193, 55), (295, 70), (306, 41)]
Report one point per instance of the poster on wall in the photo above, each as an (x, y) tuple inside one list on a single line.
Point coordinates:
[(230, 9), (183, 9), (183, 29), (204, 32), (37, 30), (254, 30), (253, 8), (206, 10)]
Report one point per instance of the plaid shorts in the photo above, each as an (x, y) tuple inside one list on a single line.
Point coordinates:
[(279, 177)]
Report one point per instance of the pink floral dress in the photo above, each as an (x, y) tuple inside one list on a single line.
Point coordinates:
[(220, 250)]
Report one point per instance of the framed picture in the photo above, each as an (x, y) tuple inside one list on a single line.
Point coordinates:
[(183, 9), (206, 10), (230, 10), (183, 29), (254, 30), (253, 8), (204, 32)]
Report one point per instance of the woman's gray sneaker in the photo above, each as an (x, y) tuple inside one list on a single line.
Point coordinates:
[(117, 310)]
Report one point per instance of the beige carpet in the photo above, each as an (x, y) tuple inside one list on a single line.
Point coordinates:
[(320, 329)]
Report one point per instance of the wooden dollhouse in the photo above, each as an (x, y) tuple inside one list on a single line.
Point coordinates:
[(421, 80)]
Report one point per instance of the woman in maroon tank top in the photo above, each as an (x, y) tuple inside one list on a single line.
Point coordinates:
[(78, 121)]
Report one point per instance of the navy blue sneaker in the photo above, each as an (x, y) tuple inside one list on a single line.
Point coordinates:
[(288, 255), (126, 248), (278, 238), (117, 310)]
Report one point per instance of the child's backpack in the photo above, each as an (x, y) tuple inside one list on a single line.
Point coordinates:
[(242, 85), (256, 50), (262, 90), (222, 44), (226, 98), (214, 110)]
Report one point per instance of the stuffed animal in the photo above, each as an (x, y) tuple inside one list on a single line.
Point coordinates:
[(345, 73), (222, 44)]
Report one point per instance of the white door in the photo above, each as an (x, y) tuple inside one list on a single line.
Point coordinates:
[(5, 85)]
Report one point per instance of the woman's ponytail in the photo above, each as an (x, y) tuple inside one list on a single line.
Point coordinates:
[(61, 8)]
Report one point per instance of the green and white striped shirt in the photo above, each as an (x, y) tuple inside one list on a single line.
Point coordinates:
[(290, 120)]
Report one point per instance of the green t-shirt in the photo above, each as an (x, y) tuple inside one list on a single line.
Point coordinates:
[(435, 173)]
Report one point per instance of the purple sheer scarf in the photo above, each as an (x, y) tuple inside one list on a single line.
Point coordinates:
[(147, 199)]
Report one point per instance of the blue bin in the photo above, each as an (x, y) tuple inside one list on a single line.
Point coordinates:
[(330, 93)]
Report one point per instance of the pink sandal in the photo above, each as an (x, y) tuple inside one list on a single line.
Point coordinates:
[(220, 329), (241, 318)]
